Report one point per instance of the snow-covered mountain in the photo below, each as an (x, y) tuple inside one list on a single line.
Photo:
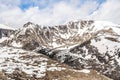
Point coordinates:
[(5, 32), (80, 44), (64, 36)]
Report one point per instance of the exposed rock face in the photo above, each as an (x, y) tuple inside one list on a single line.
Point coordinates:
[(82, 44), (19, 64), (6, 32)]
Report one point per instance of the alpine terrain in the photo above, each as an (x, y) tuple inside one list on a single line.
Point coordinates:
[(78, 50)]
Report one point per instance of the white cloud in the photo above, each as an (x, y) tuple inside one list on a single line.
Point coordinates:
[(58, 13), (110, 11), (10, 3)]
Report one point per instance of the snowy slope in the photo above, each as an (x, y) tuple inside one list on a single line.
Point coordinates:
[(100, 50), (5, 32), (3, 39), (19, 64)]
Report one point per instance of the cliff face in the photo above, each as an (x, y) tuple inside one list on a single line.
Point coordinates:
[(81, 44)]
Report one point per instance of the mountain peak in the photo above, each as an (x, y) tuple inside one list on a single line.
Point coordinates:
[(28, 24)]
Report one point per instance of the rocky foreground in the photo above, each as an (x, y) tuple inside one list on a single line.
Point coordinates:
[(18, 64)]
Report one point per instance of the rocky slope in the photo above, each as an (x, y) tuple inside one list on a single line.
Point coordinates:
[(5, 32), (81, 44), (18, 64)]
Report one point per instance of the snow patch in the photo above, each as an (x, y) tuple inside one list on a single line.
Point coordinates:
[(3, 39), (85, 71), (15, 44), (55, 68)]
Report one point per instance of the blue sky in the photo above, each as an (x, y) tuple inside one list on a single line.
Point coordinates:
[(25, 4), (16, 13)]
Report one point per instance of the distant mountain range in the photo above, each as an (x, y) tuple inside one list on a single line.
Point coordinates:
[(85, 44)]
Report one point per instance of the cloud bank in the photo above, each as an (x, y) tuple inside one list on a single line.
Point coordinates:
[(15, 13)]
